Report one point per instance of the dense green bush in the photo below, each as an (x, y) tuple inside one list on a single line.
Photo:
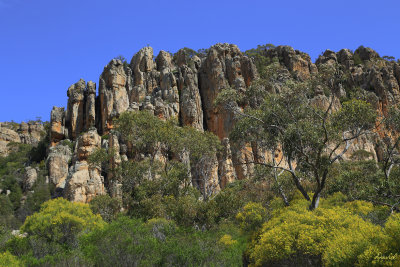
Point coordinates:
[(106, 206), (130, 242), (7, 259)]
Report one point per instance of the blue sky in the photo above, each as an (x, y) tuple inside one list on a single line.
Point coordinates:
[(47, 45)]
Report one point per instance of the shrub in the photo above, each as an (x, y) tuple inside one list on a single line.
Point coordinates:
[(330, 235), (7, 259), (159, 242), (124, 242), (392, 229), (106, 206), (251, 217), (60, 221)]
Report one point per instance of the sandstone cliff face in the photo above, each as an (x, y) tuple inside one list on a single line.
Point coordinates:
[(298, 63), (57, 126), (58, 161), (376, 79), (25, 133), (185, 87), (113, 94), (84, 181), (224, 67)]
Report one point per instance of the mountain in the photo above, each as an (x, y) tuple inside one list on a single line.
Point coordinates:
[(184, 87)]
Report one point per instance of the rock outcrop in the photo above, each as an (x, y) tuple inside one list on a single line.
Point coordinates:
[(58, 162), (84, 181), (30, 177), (113, 94), (58, 131), (75, 110), (224, 67), (185, 87), (26, 133)]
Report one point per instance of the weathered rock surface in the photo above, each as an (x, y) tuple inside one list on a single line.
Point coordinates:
[(185, 87), (75, 110), (376, 79), (298, 63), (84, 181), (226, 171), (57, 126), (224, 67), (113, 94), (90, 109), (58, 162), (7, 135), (25, 133), (190, 101), (30, 178)]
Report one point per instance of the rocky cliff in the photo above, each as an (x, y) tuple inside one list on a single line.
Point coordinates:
[(25, 133), (184, 87)]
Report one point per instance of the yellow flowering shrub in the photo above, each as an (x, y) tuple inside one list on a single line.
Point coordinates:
[(330, 235), (227, 240), (60, 221), (7, 259), (392, 229), (252, 216)]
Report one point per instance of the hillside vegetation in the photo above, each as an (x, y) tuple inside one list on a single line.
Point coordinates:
[(211, 158)]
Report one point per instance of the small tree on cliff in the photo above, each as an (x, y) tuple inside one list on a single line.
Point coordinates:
[(311, 138)]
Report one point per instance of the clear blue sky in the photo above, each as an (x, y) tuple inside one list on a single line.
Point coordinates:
[(46, 45)]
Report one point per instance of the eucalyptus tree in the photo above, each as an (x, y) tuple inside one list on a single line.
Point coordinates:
[(312, 137)]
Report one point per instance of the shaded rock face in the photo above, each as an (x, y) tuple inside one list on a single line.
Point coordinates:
[(205, 176), (25, 133), (224, 67), (84, 181), (90, 107), (190, 101), (75, 110), (57, 126)]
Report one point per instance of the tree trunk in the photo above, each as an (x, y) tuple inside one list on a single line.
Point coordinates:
[(315, 200)]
